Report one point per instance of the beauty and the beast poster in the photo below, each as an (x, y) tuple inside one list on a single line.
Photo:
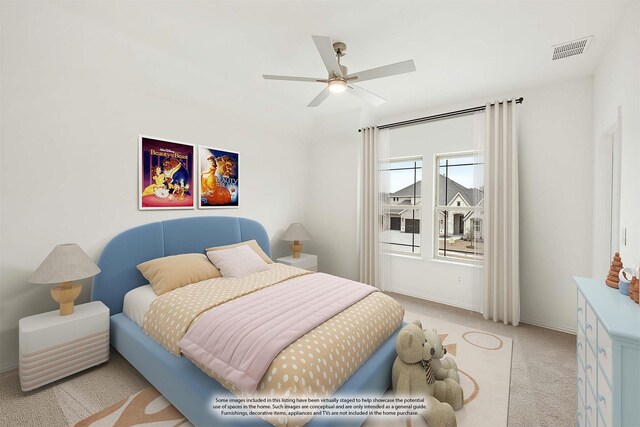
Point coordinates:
[(219, 178), (166, 174)]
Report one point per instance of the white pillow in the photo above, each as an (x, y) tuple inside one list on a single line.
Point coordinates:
[(237, 262)]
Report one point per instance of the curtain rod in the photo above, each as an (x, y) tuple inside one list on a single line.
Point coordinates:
[(438, 116)]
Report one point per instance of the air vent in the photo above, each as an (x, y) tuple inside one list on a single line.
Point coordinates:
[(572, 48)]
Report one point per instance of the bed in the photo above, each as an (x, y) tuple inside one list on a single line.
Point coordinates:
[(185, 385)]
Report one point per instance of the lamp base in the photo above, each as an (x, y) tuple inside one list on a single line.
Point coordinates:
[(296, 248), (66, 294)]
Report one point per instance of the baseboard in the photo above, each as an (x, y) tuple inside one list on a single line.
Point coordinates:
[(435, 299), (545, 325), (8, 367), (552, 326)]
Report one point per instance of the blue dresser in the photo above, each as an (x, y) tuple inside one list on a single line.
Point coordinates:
[(608, 347)]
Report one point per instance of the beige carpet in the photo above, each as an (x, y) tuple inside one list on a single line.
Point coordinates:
[(542, 389)]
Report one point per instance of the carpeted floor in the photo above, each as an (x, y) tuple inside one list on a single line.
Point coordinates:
[(542, 378)]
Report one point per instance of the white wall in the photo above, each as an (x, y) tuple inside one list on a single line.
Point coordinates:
[(616, 85), (75, 96), (556, 199), (332, 196), (556, 124), (448, 282)]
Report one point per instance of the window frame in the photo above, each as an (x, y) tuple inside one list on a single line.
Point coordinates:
[(437, 209), (388, 246)]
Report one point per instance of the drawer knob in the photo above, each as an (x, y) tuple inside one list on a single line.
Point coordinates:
[(579, 344), (579, 309), (589, 327), (602, 350), (578, 414), (588, 408), (579, 379), (601, 399), (588, 367)]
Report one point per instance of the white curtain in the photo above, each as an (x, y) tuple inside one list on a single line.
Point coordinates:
[(479, 188), (374, 152), (501, 281)]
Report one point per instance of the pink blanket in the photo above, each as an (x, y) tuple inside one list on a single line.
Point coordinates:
[(240, 339)]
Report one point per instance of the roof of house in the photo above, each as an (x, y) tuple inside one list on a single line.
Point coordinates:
[(398, 210), (408, 191), (472, 195)]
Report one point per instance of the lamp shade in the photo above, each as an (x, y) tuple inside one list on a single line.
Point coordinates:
[(65, 263), (296, 231)]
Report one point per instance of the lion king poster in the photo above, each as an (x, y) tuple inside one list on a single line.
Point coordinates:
[(219, 178), (166, 174)]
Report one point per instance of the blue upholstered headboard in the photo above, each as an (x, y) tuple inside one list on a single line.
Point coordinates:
[(124, 252)]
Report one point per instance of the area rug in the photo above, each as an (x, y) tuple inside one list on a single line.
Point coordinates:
[(484, 366), (147, 407)]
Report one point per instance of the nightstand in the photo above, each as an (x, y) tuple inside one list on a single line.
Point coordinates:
[(306, 261), (54, 346)]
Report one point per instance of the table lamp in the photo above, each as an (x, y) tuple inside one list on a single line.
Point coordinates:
[(63, 265), (296, 232)]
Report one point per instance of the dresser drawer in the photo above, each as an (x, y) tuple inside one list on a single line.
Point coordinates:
[(590, 324), (581, 380), (581, 345), (590, 408), (581, 309), (580, 411), (601, 421), (604, 398), (590, 368), (605, 351)]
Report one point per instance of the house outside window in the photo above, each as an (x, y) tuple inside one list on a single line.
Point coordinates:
[(403, 206), (458, 208)]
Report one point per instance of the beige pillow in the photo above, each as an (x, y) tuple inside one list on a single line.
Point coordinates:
[(173, 272), (251, 243)]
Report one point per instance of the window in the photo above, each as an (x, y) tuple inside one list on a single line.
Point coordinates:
[(459, 207), (402, 206)]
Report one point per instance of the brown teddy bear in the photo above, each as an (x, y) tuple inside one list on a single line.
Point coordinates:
[(413, 376)]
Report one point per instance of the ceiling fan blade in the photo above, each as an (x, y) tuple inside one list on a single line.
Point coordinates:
[(321, 97), (295, 79), (365, 95), (386, 71), (328, 55)]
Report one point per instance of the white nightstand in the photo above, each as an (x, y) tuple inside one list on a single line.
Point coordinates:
[(306, 261), (54, 346)]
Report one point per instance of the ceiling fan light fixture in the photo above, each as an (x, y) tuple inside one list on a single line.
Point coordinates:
[(339, 80), (337, 86)]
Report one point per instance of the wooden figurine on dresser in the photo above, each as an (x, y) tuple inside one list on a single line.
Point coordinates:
[(616, 265)]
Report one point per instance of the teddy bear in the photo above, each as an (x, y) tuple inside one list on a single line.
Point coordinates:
[(446, 371), (413, 376), (444, 367)]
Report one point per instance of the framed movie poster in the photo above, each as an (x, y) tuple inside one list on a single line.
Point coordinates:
[(166, 174), (219, 178)]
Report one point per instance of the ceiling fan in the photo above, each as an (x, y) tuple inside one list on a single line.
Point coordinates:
[(339, 79)]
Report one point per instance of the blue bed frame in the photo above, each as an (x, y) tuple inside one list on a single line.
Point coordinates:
[(188, 388)]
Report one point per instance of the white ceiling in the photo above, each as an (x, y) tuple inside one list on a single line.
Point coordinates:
[(462, 50)]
